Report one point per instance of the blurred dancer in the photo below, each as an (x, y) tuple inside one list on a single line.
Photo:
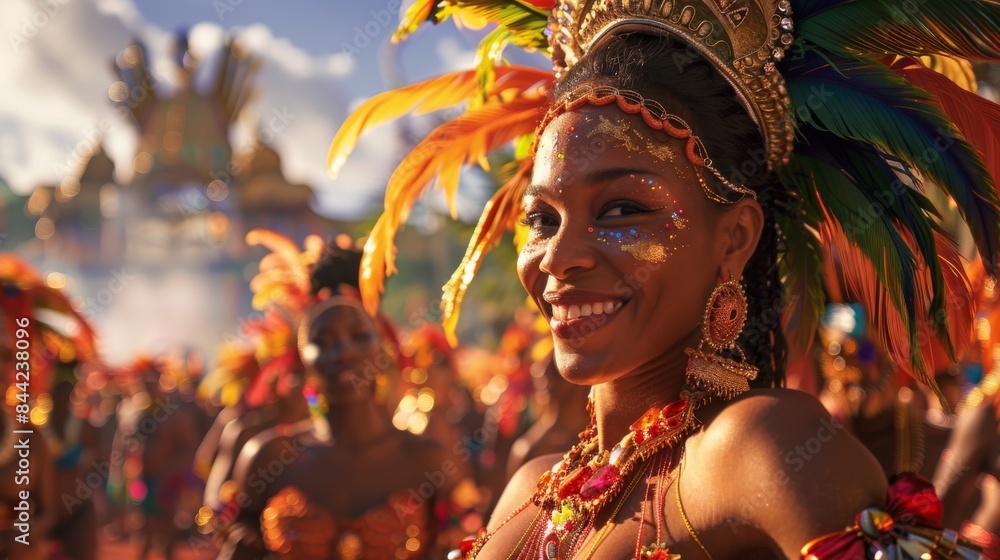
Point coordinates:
[(29, 348), (157, 438), (967, 476), (75, 444), (862, 393), (365, 489)]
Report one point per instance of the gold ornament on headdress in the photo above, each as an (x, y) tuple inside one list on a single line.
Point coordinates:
[(741, 38)]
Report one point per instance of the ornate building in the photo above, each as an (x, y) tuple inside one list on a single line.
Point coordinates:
[(182, 210)]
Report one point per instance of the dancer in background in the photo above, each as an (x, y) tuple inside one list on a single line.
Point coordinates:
[(967, 475), (351, 485), (689, 161), (31, 345), (157, 439), (75, 445), (862, 391)]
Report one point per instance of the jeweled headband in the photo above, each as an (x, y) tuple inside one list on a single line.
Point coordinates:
[(655, 117), (742, 39)]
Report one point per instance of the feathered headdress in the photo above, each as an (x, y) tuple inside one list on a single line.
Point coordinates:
[(39, 321), (899, 113)]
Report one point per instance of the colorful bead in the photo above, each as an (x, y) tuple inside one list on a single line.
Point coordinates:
[(551, 546), (573, 483), (605, 477)]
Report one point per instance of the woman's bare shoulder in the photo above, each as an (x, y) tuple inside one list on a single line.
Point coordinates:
[(804, 473), (521, 487)]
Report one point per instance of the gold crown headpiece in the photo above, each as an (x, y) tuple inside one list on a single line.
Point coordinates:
[(742, 39)]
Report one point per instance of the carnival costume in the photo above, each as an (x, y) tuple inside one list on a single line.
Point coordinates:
[(897, 113)]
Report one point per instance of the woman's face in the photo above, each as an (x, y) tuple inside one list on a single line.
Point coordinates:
[(344, 351), (624, 246)]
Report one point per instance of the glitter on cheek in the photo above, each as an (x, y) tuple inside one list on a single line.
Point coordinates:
[(649, 250)]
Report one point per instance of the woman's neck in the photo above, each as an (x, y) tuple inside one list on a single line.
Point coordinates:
[(622, 401), (358, 424)]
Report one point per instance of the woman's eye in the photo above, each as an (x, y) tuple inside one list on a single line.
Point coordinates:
[(624, 208), (538, 220)]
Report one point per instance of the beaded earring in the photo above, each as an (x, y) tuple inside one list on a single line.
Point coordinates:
[(708, 370)]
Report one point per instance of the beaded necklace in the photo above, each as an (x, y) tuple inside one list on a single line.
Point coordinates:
[(576, 490)]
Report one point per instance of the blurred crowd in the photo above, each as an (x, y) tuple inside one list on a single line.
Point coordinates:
[(329, 432)]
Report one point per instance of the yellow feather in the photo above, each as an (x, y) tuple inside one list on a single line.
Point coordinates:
[(415, 16), (957, 70)]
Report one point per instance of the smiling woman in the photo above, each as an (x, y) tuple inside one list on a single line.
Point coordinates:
[(669, 218)]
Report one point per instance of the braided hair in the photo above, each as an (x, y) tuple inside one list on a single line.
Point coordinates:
[(682, 80)]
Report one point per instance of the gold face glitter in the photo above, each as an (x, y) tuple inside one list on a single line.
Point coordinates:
[(619, 130), (661, 152), (649, 250)]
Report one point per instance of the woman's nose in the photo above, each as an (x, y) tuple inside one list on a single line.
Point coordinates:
[(568, 251)]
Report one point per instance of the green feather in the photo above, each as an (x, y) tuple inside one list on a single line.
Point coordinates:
[(868, 103), (801, 269), (524, 22), (965, 29), (873, 233)]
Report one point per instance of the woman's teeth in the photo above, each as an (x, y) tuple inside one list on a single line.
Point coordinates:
[(568, 312)]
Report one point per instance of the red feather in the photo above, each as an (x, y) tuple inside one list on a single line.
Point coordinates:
[(976, 117)]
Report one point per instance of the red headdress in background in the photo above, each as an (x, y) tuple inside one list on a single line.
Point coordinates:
[(40, 324)]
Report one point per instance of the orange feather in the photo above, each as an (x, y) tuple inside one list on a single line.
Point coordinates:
[(415, 16), (463, 141), (859, 282), (497, 217), (424, 97)]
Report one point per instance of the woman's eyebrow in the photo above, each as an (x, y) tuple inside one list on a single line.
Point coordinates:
[(595, 178), (612, 173)]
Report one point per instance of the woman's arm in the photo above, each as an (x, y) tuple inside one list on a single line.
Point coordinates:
[(963, 460)]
